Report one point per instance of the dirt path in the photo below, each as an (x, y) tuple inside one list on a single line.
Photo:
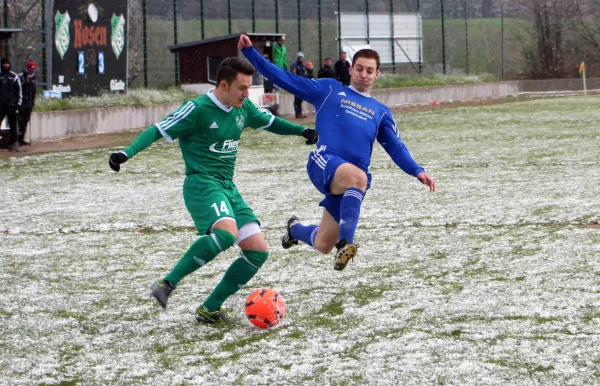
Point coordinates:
[(124, 138)]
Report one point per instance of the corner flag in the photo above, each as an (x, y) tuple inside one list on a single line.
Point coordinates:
[(582, 73)]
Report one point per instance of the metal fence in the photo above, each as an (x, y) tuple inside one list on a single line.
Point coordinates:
[(459, 36)]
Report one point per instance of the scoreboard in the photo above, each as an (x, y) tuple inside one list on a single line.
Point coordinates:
[(89, 47)]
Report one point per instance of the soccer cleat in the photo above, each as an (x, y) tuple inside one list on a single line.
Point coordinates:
[(287, 241), (161, 290), (345, 253), (215, 317)]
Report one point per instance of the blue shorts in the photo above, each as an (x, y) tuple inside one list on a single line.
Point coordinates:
[(321, 169)]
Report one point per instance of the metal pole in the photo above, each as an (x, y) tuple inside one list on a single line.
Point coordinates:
[(299, 26), (367, 14), (202, 19), (467, 37), (276, 16), (502, 39), (44, 59), (145, 43), (392, 35), (320, 34), (443, 40), (229, 16), (5, 17), (49, 44), (339, 22), (175, 42), (420, 42), (253, 17)]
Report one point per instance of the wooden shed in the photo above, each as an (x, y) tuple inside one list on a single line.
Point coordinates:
[(6, 34), (199, 60)]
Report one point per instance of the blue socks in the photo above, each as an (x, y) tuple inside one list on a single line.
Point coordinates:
[(305, 233), (349, 213)]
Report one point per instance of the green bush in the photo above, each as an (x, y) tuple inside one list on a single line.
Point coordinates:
[(147, 97), (135, 97), (394, 81)]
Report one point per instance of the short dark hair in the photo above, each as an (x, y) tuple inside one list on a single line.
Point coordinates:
[(367, 53), (231, 67), (326, 59), (343, 52)]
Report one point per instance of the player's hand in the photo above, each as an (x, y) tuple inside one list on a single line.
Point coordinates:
[(116, 159), (311, 136), (427, 180), (244, 41)]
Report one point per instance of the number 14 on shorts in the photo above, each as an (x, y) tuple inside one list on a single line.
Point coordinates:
[(223, 208)]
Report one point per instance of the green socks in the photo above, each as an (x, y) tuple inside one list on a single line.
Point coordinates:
[(201, 252), (237, 275), (207, 248)]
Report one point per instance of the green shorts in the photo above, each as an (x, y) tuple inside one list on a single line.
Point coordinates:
[(208, 201)]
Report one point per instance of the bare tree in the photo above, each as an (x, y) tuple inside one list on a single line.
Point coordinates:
[(587, 28), (548, 26)]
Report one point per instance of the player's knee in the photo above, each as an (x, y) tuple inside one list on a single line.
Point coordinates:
[(323, 246), (223, 239), (255, 258), (359, 181)]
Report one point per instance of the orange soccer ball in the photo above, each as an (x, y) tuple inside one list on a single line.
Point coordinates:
[(265, 308)]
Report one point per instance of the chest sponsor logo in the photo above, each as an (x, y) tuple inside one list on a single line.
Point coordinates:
[(229, 146), (357, 110), (240, 121)]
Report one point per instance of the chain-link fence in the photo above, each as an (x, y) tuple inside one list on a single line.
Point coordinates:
[(473, 36), (312, 28), (28, 43)]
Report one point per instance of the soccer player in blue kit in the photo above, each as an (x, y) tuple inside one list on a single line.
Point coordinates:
[(348, 121)]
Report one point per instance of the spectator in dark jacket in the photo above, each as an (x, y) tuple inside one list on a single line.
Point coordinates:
[(326, 71), (299, 68), (28, 87), (10, 101), (342, 70), (309, 70)]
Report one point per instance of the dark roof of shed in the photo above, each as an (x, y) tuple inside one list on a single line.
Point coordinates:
[(219, 38)]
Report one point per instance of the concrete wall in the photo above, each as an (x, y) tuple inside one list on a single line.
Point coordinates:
[(395, 97), (63, 123), (55, 124)]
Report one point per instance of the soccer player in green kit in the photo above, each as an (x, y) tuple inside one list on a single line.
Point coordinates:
[(209, 128)]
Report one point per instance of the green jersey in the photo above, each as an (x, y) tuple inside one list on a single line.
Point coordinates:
[(209, 133)]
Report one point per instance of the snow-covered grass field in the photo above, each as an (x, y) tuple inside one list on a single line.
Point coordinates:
[(492, 280)]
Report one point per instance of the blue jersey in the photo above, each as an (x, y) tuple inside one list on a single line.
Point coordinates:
[(348, 121)]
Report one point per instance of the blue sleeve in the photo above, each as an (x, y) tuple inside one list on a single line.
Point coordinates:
[(389, 137), (311, 90)]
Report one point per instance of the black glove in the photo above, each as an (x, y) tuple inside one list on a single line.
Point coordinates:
[(311, 136), (116, 159)]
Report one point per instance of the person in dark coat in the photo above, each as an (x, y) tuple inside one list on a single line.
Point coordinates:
[(29, 88), (299, 68), (10, 101), (309, 70), (342, 70), (327, 71)]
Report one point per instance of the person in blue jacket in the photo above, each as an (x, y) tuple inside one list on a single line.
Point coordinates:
[(348, 122)]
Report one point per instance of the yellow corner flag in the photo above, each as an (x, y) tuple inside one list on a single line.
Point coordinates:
[(582, 73)]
